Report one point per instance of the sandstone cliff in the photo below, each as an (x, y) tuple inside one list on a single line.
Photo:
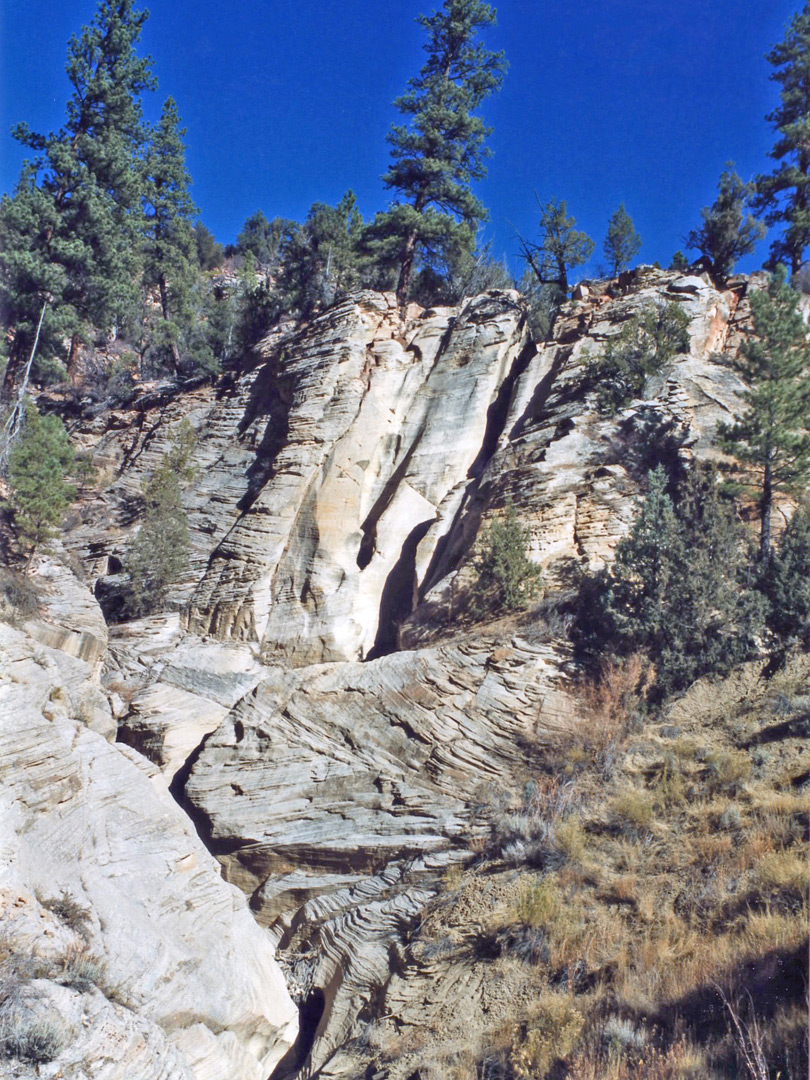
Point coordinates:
[(317, 694)]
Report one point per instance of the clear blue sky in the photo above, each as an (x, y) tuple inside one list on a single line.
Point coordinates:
[(288, 102)]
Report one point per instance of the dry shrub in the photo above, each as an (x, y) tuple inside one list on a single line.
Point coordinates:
[(69, 911), (728, 769), (679, 1061), (609, 705), (552, 1027), (611, 700), (786, 871), (632, 811)]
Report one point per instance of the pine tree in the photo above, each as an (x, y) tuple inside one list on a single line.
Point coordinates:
[(561, 248), (771, 437), (439, 151), (81, 193), (784, 195), (505, 571), (320, 260), (622, 242), (159, 553), (262, 238), (728, 231), (787, 583), (210, 254), (677, 589), (169, 251), (37, 464)]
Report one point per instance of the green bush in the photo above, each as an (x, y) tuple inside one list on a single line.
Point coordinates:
[(36, 467), (507, 577), (159, 553), (642, 347), (681, 588)]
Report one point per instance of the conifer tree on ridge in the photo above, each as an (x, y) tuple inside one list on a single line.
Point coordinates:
[(439, 151)]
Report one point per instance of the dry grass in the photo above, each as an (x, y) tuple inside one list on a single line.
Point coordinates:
[(674, 862)]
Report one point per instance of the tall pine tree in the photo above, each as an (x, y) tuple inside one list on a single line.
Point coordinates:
[(439, 151), (170, 250), (784, 195), (772, 436), (622, 242), (79, 201), (728, 231)]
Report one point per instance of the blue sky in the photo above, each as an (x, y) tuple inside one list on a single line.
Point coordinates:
[(288, 102)]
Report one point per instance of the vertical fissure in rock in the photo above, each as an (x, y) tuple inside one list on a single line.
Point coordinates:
[(365, 552), (399, 594), (499, 410)]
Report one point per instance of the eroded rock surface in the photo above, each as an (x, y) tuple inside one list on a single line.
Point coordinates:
[(336, 794), (341, 488), (154, 967)]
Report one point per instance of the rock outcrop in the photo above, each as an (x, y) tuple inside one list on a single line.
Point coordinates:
[(341, 487), (122, 945), (386, 423)]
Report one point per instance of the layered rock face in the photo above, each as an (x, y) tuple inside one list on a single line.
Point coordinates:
[(121, 945), (385, 425), (341, 489)]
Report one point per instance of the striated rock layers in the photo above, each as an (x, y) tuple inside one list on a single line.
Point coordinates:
[(342, 486), (120, 945), (385, 426)]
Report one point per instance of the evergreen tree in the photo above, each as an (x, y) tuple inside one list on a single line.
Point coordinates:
[(644, 344), (210, 254), (34, 281), (262, 238), (787, 582), (677, 589), (36, 467), (320, 260), (728, 231), (159, 553), (82, 191), (784, 195), (439, 151), (505, 571), (622, 242), (169, 249), (562, 247), (771, 437)]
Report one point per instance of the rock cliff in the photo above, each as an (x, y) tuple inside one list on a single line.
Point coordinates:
[(318, 695), (118, 934)]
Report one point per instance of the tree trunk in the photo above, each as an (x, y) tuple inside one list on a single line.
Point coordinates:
[(765, 505), (164, 307), (406, 269), (72, 354)]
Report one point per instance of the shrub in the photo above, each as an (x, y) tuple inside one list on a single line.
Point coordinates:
[(633, 809), (19, 597), (71, 913), (159, 553), (642, 347), (31, 1038), (552, 1029), (505, 570)]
